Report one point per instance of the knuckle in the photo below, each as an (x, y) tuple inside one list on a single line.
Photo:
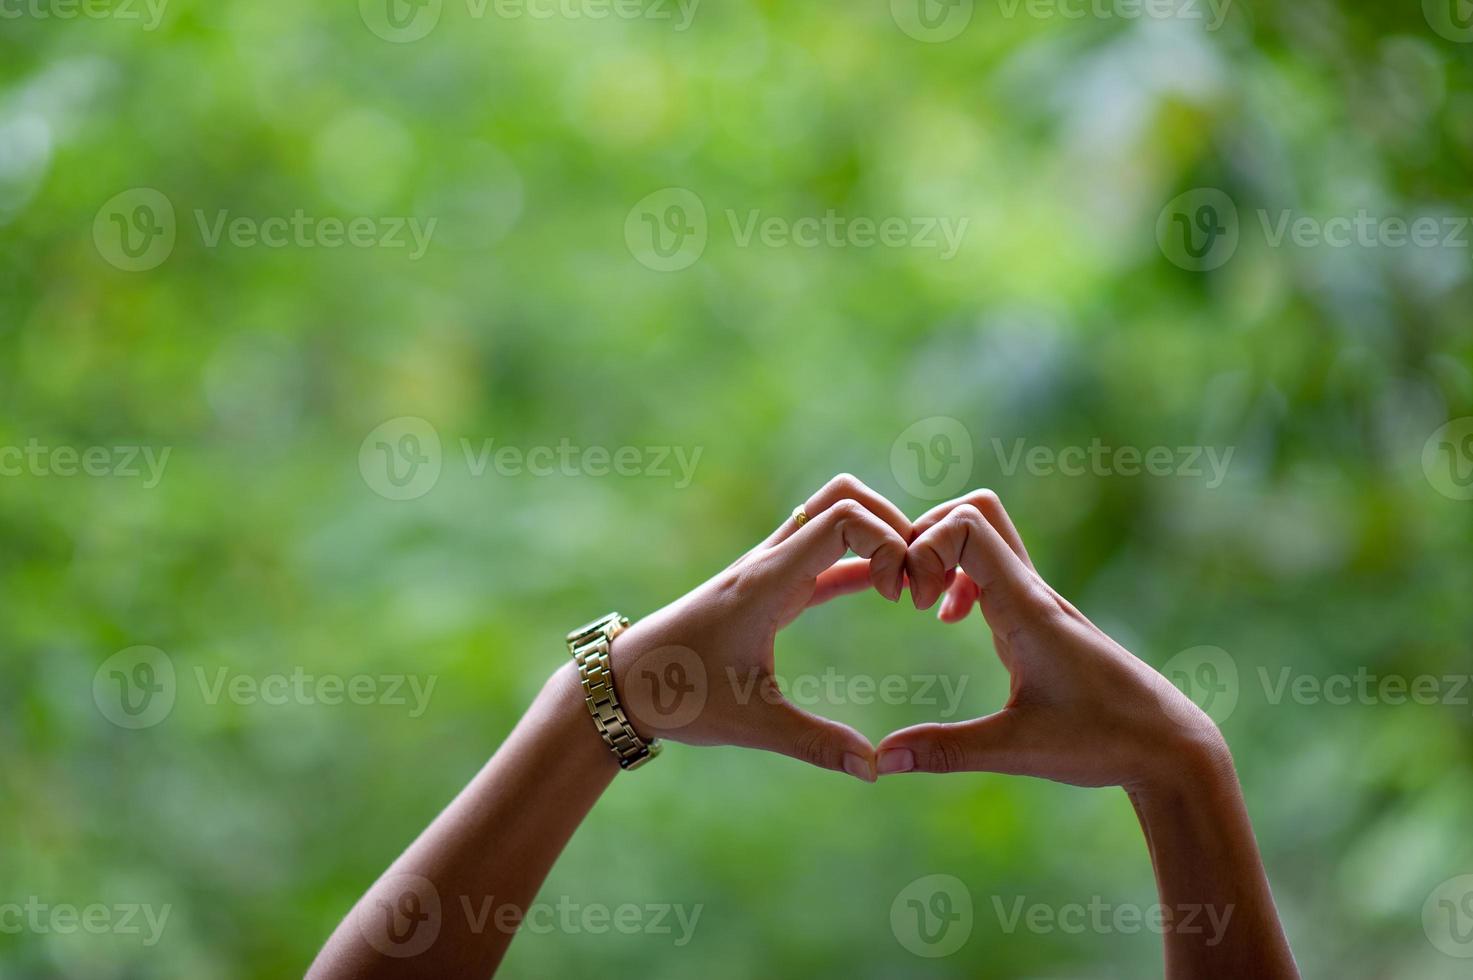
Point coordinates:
[(844, 483), (985, 500), (848, 509), (812, 747), (967, 514), (944, 754)]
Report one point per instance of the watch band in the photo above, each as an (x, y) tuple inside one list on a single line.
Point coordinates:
[(589, 646)]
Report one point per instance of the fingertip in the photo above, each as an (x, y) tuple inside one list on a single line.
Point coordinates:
[(859, 767), (897, 760), (953, 610)]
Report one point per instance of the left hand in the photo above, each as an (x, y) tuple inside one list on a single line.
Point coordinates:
[(700, 670)]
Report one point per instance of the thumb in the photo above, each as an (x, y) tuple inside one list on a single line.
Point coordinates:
[(988, 744), (822, 742)]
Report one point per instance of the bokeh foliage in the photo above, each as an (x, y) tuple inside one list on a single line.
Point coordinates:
[(529, 321)]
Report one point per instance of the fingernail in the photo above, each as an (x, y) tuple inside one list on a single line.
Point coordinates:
[(896, 760), (858, 767), (945, 608)]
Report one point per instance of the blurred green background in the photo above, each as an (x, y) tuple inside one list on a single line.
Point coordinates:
[(270, 543)]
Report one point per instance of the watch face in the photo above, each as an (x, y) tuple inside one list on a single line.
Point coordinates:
[(591, 627)]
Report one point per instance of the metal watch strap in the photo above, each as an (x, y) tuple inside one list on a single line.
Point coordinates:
[(589, 646)]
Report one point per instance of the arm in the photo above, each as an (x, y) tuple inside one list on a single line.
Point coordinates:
[(1083, 711), (699, 671)]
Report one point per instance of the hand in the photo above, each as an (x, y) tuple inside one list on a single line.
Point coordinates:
[(1082, 710), (700, 670)]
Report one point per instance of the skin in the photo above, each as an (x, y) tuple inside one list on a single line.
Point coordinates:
[(1084, 711), (700, 671)]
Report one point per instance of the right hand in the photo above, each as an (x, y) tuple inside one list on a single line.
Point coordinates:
[(1082, 710)]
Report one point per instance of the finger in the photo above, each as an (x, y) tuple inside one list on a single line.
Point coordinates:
[(846, 526), (849, 575), (844, 487), (1007, 588), (822, 742), (991, 744), (963, 593), (960, 596), (991, 507)]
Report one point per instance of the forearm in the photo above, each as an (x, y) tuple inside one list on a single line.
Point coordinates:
[(1220, 915), (488, 851)]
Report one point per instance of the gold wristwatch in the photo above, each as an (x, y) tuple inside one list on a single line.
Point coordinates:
[(589, 646)]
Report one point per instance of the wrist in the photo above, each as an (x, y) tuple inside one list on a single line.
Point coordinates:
[(624, 653), (566, 708), (1195, 765), (605, 687)]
